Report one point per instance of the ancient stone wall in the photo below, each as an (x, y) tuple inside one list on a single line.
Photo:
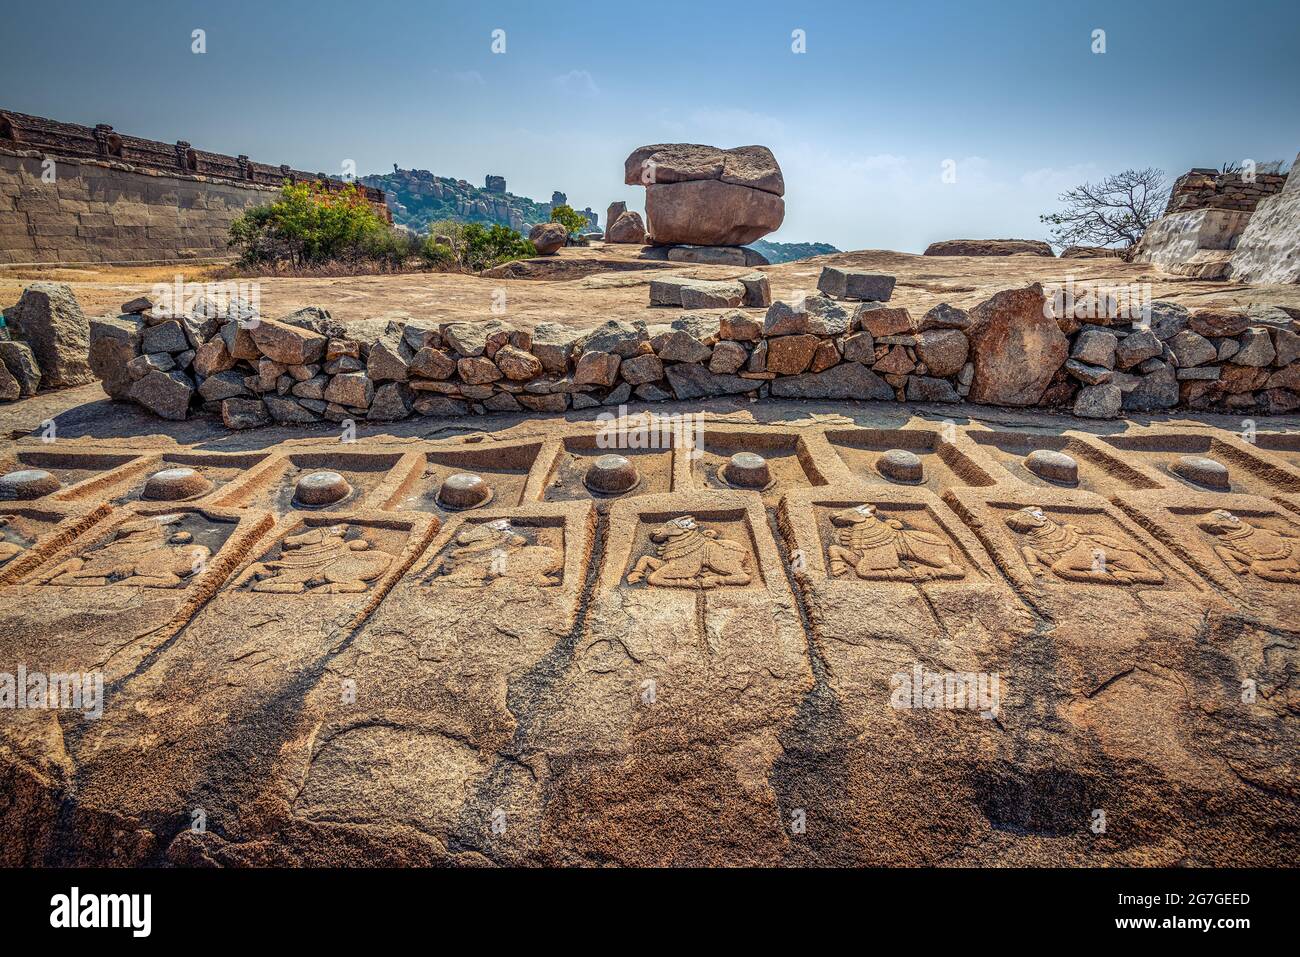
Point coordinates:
[(1210, 189), (71, 193), (96, 211)]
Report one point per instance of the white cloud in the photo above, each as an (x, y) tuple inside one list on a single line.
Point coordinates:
[(577, 83), (469, 78)]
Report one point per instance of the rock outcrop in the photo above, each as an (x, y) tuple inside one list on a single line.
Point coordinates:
[(627, 228), (1196, 243), (1268, 250), (706, 196)]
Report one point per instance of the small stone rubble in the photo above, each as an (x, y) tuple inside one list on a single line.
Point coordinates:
[(846, 342)]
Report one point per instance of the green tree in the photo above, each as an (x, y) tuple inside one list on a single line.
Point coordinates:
[(309, 224), (569, 218)]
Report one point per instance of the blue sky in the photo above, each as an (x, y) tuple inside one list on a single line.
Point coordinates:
[(862, 122)]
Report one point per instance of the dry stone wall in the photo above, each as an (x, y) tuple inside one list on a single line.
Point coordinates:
[(1210, 189), (1021, 347)]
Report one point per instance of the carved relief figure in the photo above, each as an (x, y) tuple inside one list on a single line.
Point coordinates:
[(688, 556), (884, 549), (7, 549), (1077, 555), (481, 554), (144, 552), (1247, 548), (319, 560)]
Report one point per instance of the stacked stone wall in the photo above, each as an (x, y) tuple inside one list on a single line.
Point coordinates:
[(1207, 189)]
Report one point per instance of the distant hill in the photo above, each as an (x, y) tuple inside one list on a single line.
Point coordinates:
[(788, 252), (418, 198)]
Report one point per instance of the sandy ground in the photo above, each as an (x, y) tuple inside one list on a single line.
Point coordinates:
[(606, 281)]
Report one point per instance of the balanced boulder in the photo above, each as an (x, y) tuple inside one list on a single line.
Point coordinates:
[(706, 196)]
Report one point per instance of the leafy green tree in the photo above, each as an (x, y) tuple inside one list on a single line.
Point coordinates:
[(308, 224), (569, 218)]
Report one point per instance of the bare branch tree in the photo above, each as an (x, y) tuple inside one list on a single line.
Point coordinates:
[(1114, 212)]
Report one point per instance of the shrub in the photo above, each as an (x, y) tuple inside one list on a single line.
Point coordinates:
[(485, 247), (390, 248), (310, 224), (437, 255)]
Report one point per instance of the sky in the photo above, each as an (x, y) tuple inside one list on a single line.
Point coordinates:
[(898, 124)]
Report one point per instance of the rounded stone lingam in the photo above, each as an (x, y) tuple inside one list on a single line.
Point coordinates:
[(464, 490), (901, 466), (611, 475), (1053, 466), (321, 488), (27, 483), (747, 470), (176, 484), (1203, 471)]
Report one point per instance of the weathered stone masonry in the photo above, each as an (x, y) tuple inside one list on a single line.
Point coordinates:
[(72, 194), (1014, 349)]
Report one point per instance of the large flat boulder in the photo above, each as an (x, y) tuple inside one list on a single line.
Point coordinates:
[(49, 318), (1016, 348), (848, 380), (717, 256), (989, 247), (751, 166)]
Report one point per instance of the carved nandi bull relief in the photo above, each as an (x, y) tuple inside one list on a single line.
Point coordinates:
[(142, 553), (884, 549), (320, 560), (689, 556), (482, 554), (1253, 550), (1075, 554)]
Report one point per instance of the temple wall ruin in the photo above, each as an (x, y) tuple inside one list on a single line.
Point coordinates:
[(92, 211), (76, 194)]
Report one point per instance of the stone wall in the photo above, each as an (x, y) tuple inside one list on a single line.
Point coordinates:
[(74, 194), (1022, 347), (1210, 189), (96, 211)]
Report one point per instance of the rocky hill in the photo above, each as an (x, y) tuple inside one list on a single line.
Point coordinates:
[(417, 198), (789, 252)]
